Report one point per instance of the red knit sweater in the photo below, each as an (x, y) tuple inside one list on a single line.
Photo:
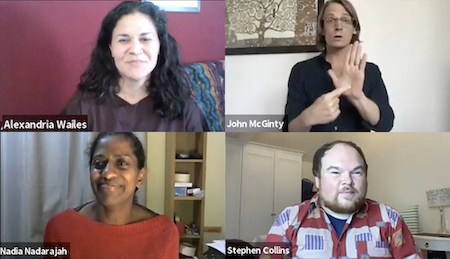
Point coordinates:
[(152, 238)]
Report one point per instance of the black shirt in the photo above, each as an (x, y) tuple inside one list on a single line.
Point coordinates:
[(309, 80)]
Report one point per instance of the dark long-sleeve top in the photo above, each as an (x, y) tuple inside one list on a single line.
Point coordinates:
[(309, 80), (115, 114)]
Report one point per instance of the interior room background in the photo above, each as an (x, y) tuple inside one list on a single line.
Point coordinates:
[(45, 173), (406, 39), (402, 167), (49, 45)]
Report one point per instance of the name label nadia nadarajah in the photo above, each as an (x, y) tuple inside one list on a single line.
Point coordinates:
[(44, 125), (255, 124), (29, 251)]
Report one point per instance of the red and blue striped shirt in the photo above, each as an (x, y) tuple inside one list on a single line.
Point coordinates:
[(376, 231)]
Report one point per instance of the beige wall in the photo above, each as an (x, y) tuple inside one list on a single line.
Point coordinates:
[(307, 170), (403, 166), (215, 179), (156, 166), (215, 185)]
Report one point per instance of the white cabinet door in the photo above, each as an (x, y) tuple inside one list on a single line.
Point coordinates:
[(288, 180), (233, 188), (256, 192)]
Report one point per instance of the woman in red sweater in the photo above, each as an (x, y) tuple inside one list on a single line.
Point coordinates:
[(113, 226)]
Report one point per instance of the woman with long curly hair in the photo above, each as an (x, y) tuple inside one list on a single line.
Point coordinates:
[(135, 80)]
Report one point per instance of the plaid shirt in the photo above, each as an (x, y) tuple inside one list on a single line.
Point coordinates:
[(375, 231)]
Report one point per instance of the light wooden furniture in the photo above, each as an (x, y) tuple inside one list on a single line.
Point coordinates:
[(190, 209)]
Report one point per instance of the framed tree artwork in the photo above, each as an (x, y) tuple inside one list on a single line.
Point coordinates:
[(271, 26)]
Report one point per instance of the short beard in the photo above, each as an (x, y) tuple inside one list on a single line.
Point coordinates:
[(335, 206)]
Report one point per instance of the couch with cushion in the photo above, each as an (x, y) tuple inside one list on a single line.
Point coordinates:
[(207, 82)]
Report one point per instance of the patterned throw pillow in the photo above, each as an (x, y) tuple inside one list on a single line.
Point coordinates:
[(207, 82)]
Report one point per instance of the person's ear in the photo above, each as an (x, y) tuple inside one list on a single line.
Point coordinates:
[(141, 177), (317, 183), (110, 51)]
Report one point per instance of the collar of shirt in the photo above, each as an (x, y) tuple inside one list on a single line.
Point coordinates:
[(323, 62), (117, 101)]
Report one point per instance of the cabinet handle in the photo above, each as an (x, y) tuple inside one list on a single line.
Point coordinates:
[(426, 245), (273, 214)]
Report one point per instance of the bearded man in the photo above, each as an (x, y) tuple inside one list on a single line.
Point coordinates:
[(339, 222)]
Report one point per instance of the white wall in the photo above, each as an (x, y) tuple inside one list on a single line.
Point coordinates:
[(257, 84), (408, 40)]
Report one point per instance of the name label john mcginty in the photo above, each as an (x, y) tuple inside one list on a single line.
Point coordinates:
[(255, 124)]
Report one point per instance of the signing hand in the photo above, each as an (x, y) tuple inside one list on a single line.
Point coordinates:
[(325, 109), (352, 74)]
